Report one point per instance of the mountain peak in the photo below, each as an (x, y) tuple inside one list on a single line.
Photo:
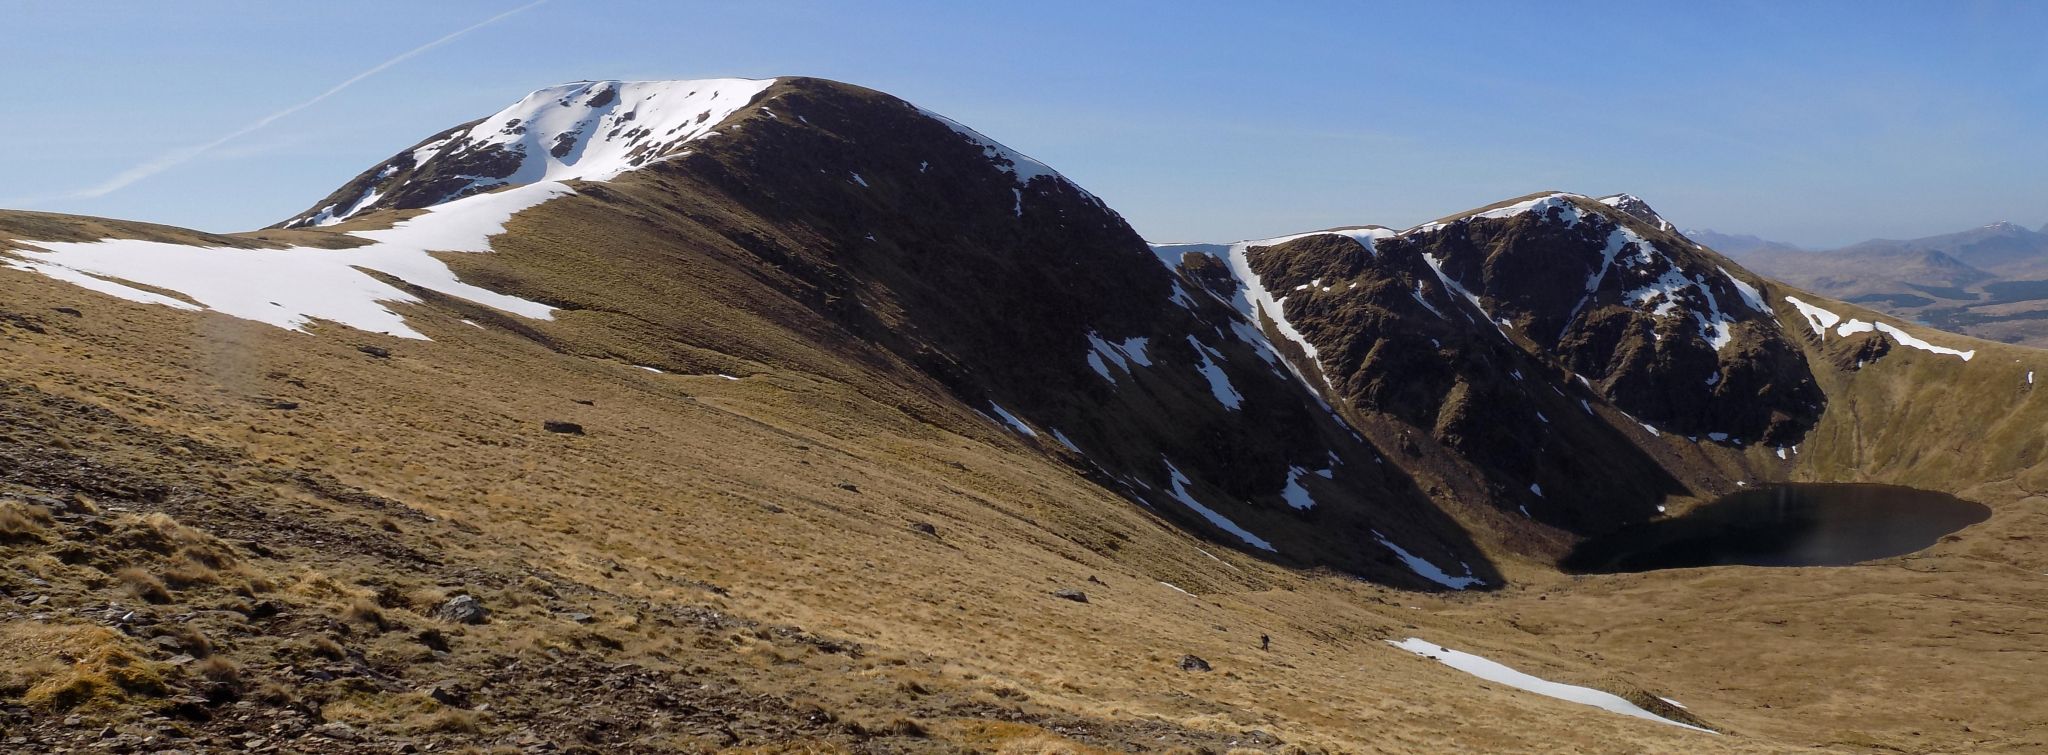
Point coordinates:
[(596, 131), (2009, 227), (1543, 203), (584, 130), (1635, 206)]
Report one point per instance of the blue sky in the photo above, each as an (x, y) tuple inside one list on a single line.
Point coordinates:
[(1818, 123)]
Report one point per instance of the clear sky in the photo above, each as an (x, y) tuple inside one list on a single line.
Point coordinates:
[(1817, 123)]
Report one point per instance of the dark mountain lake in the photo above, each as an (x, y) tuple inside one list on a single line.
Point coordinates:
[(1784, 525)]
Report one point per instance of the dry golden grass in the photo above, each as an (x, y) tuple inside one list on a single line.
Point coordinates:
[(409, 713), (20, 521), (144, 585), (1010, 738), (220, 671), (64, 667)]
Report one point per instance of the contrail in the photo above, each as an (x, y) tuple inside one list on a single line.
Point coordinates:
[(180, 156)]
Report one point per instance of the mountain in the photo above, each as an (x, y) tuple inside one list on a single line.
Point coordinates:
[(1494, 332), (1985, 281), (1740, 246), (588, 130), (2003, 248), (657, 416)]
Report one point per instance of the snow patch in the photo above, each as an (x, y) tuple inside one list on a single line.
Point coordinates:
[(1296, 495), (1424, 301), (292, 287), (1252, 299), (1180, 493), (1219, 383), (1103, 352), (1012, 421), (1459, 289), (1495, 672), (586, 130), (1819, 319), (1559, 201), (1714, 324), (1062, 438), (1907, 339), (1422, 567), (1020, 166), (1750, 296), (1854, 326)]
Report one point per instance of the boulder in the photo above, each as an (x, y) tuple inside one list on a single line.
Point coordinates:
[(463, 609)]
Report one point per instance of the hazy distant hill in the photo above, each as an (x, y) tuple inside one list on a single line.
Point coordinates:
[(1990, 282), (1740, 246)]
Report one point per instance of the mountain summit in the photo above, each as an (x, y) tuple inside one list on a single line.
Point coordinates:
[(588, 130)]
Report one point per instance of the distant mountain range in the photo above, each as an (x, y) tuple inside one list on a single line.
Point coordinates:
[(1990, 282), (1738, 245)]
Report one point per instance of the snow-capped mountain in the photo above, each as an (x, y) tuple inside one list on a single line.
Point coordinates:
[(1637, 208), (587, 130), (1527, 338), (581, 131)]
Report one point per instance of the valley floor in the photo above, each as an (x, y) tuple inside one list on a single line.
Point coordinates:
[(226, 536)]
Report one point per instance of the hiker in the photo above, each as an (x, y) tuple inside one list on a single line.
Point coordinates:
[(1265, 643)]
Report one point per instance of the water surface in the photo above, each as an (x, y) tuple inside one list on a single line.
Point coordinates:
[(1784, 525)]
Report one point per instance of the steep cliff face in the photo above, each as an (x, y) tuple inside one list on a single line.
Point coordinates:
[(1660, 326), (1547, 343)]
